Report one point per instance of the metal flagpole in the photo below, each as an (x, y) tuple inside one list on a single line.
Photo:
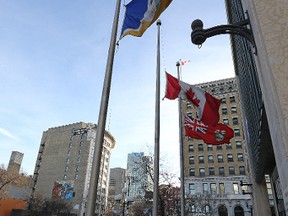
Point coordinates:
[(102, 118), (157, 128), (182, 186)]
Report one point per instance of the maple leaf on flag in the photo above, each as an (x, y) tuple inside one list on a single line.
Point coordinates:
[(191, 97)]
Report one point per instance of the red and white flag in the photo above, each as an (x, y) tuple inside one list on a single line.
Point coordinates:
[(215, 135), (207, 107), (185, 62)]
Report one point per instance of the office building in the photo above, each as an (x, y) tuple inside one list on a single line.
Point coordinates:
[(117, 181), (213, 173), (261, 72), (139, 171), (15, 161), (64, 162)]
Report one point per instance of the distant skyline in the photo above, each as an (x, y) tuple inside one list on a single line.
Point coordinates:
[(52, 63)]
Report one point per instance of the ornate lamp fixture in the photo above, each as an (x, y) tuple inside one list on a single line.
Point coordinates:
[(199, 35)]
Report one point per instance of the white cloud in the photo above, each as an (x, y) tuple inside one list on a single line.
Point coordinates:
[(8, 134)]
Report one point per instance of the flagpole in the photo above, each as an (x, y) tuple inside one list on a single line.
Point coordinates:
[(182, 186), (95, 171), (157, 128)]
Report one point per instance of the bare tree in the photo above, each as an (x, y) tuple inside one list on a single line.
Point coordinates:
[(12, 178), (200, 203)]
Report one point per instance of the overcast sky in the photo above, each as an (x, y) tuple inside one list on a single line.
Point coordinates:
[(53, 55)]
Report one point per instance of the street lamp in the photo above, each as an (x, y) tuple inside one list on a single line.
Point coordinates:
[(125, 200)]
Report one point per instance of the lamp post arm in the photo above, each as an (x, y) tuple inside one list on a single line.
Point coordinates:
[(199, 35)]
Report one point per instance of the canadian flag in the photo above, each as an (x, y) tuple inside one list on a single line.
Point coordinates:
[(207, 107)]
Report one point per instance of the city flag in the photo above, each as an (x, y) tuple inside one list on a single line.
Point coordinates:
[(214, 135), (140, 14), (207, 107)]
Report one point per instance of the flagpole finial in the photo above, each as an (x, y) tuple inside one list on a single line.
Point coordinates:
[(158, 22)]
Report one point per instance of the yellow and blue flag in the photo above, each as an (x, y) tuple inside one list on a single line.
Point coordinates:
[(140, 14)]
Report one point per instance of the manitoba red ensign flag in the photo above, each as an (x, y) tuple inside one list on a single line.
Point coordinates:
[(207, 107), (215, 135)]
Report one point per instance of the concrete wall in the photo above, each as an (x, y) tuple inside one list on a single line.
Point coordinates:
[(269, 23)]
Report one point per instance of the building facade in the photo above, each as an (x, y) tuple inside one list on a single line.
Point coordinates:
[(139, 171), (262, 76), (15, 161), (64, 162), (117, 181), (213, 173)]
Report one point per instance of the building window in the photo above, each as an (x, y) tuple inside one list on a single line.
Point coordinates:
[(235, 120), (191, 160), (202, 172), (66, 168), (224, 111), (189, 114), (65, 177), (68, 160), (240, 157), (213, 188), (232, 99), (191, 148), (221, 171), (210, 158), (228, 146), (192, 172), (211, 171), (230, 157), (78, 160), (77, 168), (220, 158), (69, 152), (201, 159), (223, 100), (236, 132), (190, 138), (231, 170), (219, 147), (192, 189), (79, 152), (238, 144), (209, 147), (235, 188), (221, 188), (205, 189), (226, 121), (234, 109), (76, 176), (70, 145), (200, 147), (241, 170), (81, 143), (188, 106)]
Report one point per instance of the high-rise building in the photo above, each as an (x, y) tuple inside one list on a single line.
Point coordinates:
[(15, 161), (213, 173), (117, 181), (64, 162), (262, 77), (139, 172)]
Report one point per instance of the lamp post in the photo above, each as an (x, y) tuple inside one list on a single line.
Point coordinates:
[(125, 199)]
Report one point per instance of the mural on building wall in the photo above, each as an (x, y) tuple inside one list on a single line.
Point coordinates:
[(63, 189)]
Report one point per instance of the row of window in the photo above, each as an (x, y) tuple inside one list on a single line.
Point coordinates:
[(231, 99), (213, 188), (234, 121), (220, 159), (67, 168), (221, 171), (224, 110), (75, 177), (218, 147)]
